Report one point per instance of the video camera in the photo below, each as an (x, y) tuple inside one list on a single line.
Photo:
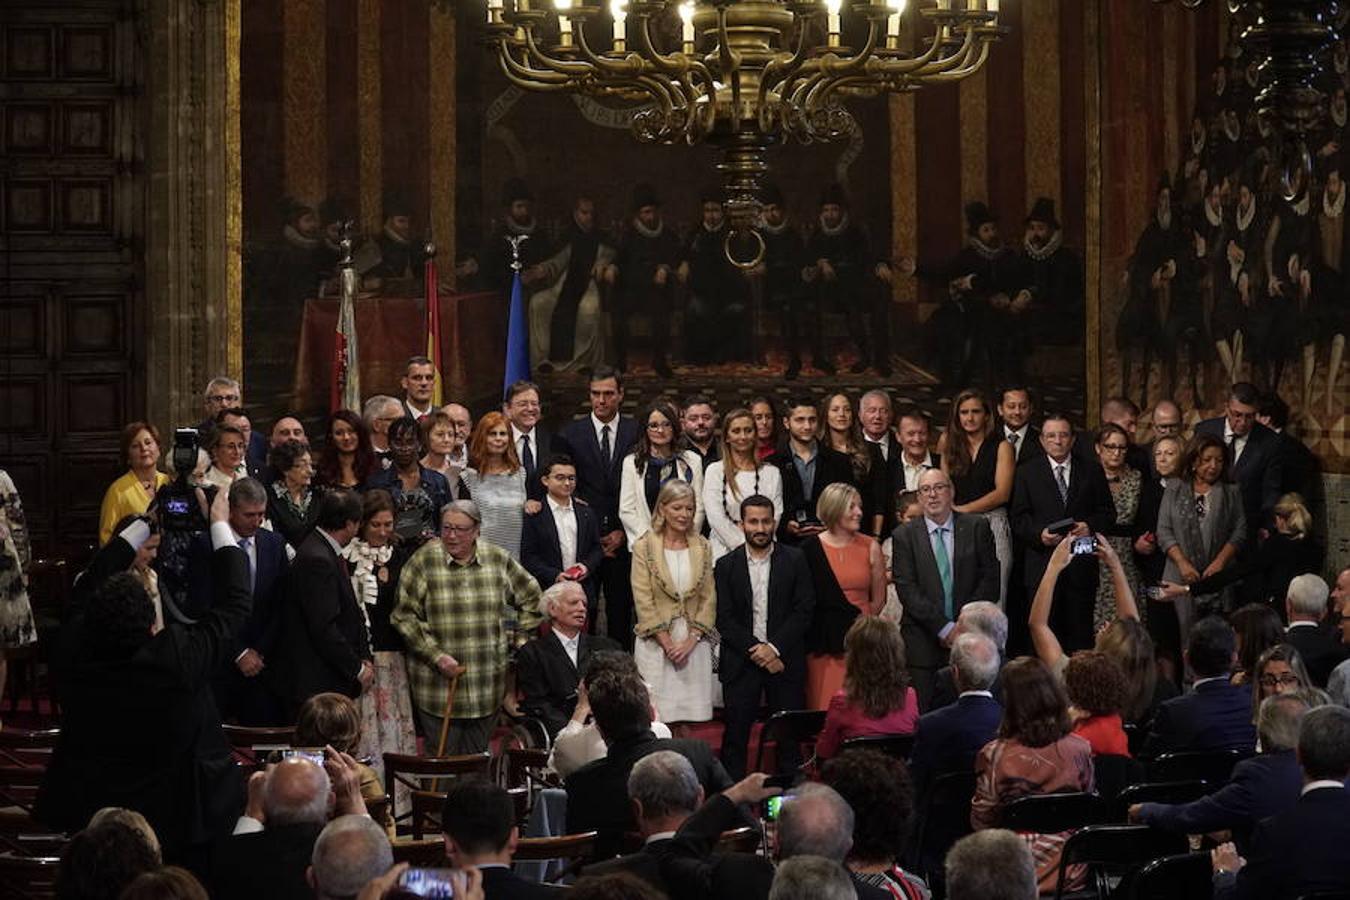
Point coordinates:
[(177, 500)]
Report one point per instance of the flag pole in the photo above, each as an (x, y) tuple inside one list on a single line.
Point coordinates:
[(346, 384), (433, 318), (517, 337)]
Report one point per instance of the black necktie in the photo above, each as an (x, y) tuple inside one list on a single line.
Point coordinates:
[(527, 455), (604, 444)]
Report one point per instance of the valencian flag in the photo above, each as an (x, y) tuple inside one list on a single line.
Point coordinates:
[(517, 339), (433, 329), (346, 392)]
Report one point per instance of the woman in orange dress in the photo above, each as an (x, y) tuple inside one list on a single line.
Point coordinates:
[(850, 580)]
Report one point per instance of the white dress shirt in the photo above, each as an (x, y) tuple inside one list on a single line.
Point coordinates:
[(881, 442), (1237, 441), (759, 594), (599, 429), (913, 472), (565, 519), (533, 437), (569, 644)]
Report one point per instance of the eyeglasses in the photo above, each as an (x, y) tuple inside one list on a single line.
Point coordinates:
[(1115, 448), (223, 398), (457, 529), (929, 490), (565, 479), (1289, 679)]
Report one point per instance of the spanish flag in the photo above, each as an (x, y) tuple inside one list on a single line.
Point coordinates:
[(433, 329)]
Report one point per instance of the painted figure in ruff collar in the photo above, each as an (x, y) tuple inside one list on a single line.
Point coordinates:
[(715, 313), (982, 278), (784, 290), (649, 254), (845, 274), (401, 251), (1051, 280), (1333, 250), (566, 316), (1159, 257)]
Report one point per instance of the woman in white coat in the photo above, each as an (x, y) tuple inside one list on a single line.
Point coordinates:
[(655, 460), (737, 475)]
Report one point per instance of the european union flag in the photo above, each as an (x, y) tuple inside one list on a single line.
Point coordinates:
[(517, 338)]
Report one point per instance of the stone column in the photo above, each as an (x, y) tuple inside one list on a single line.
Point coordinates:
[(192, 255)]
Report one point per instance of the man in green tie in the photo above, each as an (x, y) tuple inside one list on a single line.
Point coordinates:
[(940, 561)]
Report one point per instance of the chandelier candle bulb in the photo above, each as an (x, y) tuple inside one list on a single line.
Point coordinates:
[(564, 21), (832, 7), (494, 11), (993, 6), (618, 11), (687, 25)]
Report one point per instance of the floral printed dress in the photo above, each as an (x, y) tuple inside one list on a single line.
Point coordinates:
[(16, 614)]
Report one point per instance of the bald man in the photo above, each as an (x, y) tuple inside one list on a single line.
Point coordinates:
[(1120, 411), (461, 426), (1165, 422)]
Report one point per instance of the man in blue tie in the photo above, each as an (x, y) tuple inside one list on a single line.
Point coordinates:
[(940, 561)]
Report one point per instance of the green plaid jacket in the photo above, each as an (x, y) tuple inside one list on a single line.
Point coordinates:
[(462, 609)]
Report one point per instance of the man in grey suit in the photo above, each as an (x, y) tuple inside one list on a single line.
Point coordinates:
[(941, 561)]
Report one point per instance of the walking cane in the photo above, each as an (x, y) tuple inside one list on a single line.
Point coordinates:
[(449, 707)]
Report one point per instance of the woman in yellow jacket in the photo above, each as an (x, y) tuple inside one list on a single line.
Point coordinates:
[(131, 494)]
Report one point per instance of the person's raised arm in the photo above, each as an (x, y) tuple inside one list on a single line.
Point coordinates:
[(1126, 606), (1042, 637)]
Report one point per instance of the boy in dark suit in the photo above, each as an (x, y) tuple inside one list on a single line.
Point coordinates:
[(807, 466), (764, 605), (563, 537)]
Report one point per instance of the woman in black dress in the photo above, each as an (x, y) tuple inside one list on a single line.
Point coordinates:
[(980, 465)]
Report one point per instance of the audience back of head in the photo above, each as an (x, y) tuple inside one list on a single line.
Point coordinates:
[(620, 703), (878, 790), (986, 618), (975, 662), (1278, 721), (296, 792), (664, 786), (815, 821), (1210, 647), (350, 851), (168, 883), (811, 878), (994, 864), (1324, 744), (478, 817), (103, 859)]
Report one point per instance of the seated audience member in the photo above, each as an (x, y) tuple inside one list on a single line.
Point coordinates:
[(878, 790), (332, 720), (1258, 628), (243, 687), (981, 617), (994, 864), (167, 883), (152, 691), (1339, 683), (616, 886), (1279, 670), (877, 697), (1125, 640), (549, 667), (1302, 850), (131, 819), (562, 541), (1306, 607), (664, 792), (479, 825), (815, 821), (102, 859), (1035, 753), (596, 793), (811, 878), (130, 494), (324, 643), (292, 502), (348, 854), (949, 738), (580, 741), (346, 459), (1216, 714), (288, 805), (1096, 689), (418, 492), (1262, 786)]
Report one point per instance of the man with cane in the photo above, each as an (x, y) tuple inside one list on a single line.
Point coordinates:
[(449, 611)]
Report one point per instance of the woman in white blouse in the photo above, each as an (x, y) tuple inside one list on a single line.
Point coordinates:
[(737, 475), (654, 461)]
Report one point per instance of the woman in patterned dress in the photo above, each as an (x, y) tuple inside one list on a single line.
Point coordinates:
[(16, 614), (496, 479), (1126, 485)]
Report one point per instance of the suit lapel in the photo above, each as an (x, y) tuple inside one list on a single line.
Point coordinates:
[(550, 527), (745, 588)]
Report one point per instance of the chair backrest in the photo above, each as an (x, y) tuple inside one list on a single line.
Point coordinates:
[(426, 812), (1212, 766), (25, 748), (944, 818), (28, 877), (1115, 849), (423, 854), (251, 745), (1159, 792), (420, 773), (739, 840), (576, 847), (1053, 813), (19, 786), (800, 725), (1113, 773), (1186, 876), (897, 746)]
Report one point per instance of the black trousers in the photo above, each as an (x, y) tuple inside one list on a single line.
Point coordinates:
[(741, 698), (617, 585)]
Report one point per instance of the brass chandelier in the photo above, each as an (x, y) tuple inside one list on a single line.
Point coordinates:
[(743, 75)]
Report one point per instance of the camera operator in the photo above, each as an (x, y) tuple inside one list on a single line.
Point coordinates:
[(139, 724), (181, 507)]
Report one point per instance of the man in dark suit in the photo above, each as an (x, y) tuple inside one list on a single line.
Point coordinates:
[(1300, 469), (597, 797), (1052, 489), (1262, 786), (1301, 851), (478, 821), (224, 393), (139, 724), (664, 792), (549, 667), (350, 852), (288, 806), (949, 739), (913, 430), (876, 414), (1216, 714), (1306, 607), (940, 561), (532, 442), (243, 689), (1253, 455), (764, 605), (807, 466), (563, 534), (597, 445), (1014, 422), (981, 618), (324, 645)]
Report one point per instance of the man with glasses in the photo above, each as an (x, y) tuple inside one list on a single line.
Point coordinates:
[(224, 393), (941, 561), (380, 412), (461, 426), (1054, 497), (449, 610), (1254, 459), (1165, 422), (562, 542), (532, 442)]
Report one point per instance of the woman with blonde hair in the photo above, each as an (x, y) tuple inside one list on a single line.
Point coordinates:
[(850, 580), (737, 475), (676, 607), (876, 697)]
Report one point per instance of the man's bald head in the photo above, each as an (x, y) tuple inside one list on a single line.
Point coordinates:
[(288, 428), (1121, 411), (815, 821), (296, 791), (1166, 419)]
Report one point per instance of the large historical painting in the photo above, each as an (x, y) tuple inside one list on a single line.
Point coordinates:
[(392, 116)]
